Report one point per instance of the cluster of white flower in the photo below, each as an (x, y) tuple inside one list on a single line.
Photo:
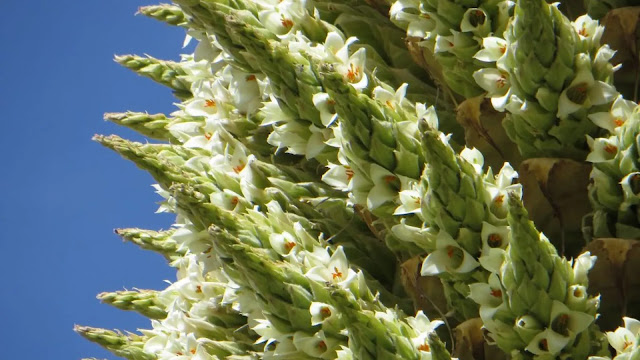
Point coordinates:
[(223, 95)]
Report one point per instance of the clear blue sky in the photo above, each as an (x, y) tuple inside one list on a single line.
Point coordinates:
[(62, 193)]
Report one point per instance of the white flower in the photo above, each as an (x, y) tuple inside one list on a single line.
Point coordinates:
[(325, 105), (489, 296), (497, 191), (317, 141), (621, 110), (245, 91), (444, 43), (427, 114), (497, 85), (336, 271), (207, 98), (336, 49), (390, 99), (320, 312), (476, 21), (493, 48), (602, 149), (588, 29), (581, 266), (473, 157), (283, 243), (344, 353), (385, 187), (567, 322), (417, 22), (344, 177), (353, 70), (285, 18), (584, 91), (624, 339), (410, 202), (316, 345), (232, 162), (547, 343), (268, 333), (229, 200), (423, 328), (448, 257), (494, 241)]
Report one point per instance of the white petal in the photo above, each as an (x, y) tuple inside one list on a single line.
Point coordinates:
[(435, 263)]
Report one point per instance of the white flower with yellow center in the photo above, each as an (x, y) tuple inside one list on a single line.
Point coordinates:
[(335, 271), (353, 69), (284, 18), (584, 91), (408, 14), (621, 110), (494, 242), (326, 107), (624, 339), (391, 100), (603, 149), (493, 49), (477, 22), (495, 82), (498, 189), (321, 312), (423, 328), (564, 325), (317, 345), (448, 257)]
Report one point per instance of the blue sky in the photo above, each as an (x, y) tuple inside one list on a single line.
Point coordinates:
[(62, 193)]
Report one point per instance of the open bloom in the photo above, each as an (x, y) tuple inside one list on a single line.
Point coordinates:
[(284, 18), (473, 157), (317, 345), (499, 188), (390, 99), (496, 83), (584, 91), (493, 48), (385, 187), (335, 271), (621, 110), (476, 21), (448, 257), (418, 22), (494, 241), (624, 339), (603, 149), (326, 107), (353, 69), (423, 327)]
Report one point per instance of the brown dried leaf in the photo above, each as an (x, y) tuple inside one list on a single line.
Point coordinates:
[(483, 130), (615, 278), (426, 292), (470, 343), (469, 340), (555, 194), (621, 33)]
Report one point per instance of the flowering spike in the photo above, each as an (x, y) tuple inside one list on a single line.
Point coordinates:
[(167, 73), (166, 13), (126, 346), (160, 242), (144, 302), (150, 125)]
